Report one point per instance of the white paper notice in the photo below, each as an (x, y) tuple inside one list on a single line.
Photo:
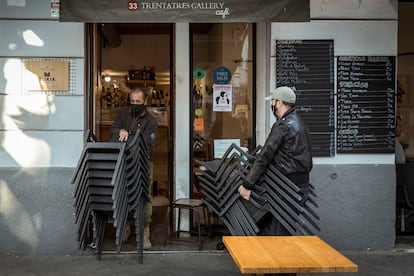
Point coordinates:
[(222, 98), (54, 8), (222, 145)]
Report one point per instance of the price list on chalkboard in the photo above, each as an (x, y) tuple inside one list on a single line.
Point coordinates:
[(366, 104), (308, 65)]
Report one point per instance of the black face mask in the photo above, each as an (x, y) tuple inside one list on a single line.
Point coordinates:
[(274, 110), (137, 109)]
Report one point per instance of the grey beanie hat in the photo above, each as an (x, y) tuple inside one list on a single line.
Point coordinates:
[(283, 93)]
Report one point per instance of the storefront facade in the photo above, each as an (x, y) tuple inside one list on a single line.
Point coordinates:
[(42, 131)]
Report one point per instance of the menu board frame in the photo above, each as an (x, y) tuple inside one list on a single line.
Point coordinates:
[(366, 99), (308, 66)]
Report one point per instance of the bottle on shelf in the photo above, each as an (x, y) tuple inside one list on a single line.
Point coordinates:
[(144, 73), (122, 100), (152, 73), (153, 97), (108, 98), (116, 97), (162, 97), (158, 102), (103, 98)]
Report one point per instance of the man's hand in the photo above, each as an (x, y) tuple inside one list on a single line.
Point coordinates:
[(123, 135), (244, 193)]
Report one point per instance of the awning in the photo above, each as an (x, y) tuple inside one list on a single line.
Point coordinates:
[(197, 11)]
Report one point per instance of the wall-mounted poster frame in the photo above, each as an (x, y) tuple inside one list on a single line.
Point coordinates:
[(53, 75)]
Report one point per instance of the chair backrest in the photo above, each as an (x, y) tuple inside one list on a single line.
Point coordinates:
[(405, 185)]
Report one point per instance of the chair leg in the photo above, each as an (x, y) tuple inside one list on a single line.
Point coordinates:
[(177, 233), (197, 216), (169, 226), (207, 219), (200, 243)]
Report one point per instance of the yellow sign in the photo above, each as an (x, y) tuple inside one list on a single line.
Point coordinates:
[(52, 75), (199, 124)]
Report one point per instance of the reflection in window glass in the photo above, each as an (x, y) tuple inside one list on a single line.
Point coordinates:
[(222, 88)]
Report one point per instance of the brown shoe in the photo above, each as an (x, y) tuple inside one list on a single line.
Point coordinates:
[(127, 232), (147, 242)]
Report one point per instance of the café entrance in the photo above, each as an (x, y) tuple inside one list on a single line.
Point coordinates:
[(131, 55)]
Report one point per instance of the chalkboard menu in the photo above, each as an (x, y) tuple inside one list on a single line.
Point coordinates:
[(366, 104), (308, 65)]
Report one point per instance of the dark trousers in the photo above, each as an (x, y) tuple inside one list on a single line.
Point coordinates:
[(277, 229)]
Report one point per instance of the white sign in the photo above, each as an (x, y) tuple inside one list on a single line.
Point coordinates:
[(222, 145), (222, 98), (54, 8)]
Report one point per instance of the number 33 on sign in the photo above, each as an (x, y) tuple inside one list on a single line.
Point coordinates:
[(133, 5)]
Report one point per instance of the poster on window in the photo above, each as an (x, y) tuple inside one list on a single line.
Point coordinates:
[(222, 98)]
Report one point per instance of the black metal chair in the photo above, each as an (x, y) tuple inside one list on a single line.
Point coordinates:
[(196, 207), (274, 194), (111, 183)]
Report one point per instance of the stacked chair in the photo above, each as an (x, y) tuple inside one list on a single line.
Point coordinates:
[(111, 183), (274, 194)]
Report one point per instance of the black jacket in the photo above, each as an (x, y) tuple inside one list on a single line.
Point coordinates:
[(145, 122), (288, 147)]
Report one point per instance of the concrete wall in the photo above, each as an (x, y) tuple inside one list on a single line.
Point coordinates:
[(41, 134), (39, 129), (356, 205), (36, 212)]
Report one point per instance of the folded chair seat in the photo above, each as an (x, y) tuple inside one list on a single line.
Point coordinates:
[(274, 194), (111, 182)]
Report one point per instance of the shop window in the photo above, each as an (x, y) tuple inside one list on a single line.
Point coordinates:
[(222, 90)]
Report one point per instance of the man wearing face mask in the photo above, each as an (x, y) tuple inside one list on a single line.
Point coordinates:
[(128, 120), (288, 146)]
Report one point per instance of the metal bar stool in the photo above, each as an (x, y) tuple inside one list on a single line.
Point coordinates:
[(194, 205)]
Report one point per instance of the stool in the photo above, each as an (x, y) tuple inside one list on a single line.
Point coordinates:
[(193, 205)]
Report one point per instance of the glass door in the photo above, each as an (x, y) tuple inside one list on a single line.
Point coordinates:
[(222, 91)]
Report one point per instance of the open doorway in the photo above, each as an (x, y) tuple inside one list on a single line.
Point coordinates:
[(138, 55), (129, 56)]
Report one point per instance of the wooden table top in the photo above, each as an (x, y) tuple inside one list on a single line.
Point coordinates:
[(286, 254)]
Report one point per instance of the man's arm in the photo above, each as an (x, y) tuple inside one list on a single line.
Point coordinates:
[(118, 128), (151, 132), (264, 158)]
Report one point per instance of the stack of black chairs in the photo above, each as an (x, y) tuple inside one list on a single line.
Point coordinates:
[(111, 183), (274, 194)]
